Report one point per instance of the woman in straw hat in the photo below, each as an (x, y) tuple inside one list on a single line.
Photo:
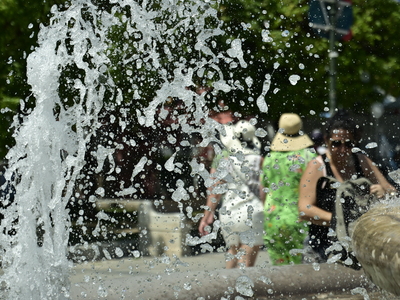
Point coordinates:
[(282, 168), (235, 181)]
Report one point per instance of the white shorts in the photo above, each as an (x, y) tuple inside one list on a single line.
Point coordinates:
[(242, 223)]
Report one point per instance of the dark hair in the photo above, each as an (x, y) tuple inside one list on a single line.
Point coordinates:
[(343, 120)]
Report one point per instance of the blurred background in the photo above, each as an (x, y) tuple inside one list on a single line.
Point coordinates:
[(276, 39)]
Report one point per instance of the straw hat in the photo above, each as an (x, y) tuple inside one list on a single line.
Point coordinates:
[(241, 137), (289, 137)]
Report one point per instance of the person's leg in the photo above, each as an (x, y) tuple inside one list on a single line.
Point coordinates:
[(232, 260), (248, 256)]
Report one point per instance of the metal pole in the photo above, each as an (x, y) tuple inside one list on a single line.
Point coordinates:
[(333, 54)]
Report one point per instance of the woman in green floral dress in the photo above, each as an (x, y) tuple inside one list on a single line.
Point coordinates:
[(281, 172)]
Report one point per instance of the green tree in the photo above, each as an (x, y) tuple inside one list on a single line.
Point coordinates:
[(277, 33), (275, 38), (20, 21)]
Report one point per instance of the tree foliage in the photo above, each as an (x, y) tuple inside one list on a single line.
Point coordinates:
[(20, 21), (277, 43), (366, 64)]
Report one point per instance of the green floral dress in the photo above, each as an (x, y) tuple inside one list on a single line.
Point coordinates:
[(284, 233)]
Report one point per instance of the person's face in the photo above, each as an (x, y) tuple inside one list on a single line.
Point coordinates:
[(340, 143)]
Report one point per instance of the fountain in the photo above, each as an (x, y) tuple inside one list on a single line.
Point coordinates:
[(75, 75), (376, 243), (72, 74)]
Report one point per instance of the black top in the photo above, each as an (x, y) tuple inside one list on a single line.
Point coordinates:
[(326, 197)]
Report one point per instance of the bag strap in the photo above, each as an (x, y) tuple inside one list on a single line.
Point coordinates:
[(240, 178), (328, 169)]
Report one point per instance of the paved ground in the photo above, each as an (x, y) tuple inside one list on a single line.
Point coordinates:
[(151, 267), (182, 278), (204, 277), (105, 274), (156, 265)]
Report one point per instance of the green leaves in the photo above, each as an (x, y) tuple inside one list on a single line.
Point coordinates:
[(275, 38)]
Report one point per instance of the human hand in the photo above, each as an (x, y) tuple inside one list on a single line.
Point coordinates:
[(204, 226), (377, 190)]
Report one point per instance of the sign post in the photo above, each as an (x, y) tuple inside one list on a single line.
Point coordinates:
[(332, 19), (333, 54)]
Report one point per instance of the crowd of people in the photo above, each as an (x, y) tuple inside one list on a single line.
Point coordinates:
[(299, 200)]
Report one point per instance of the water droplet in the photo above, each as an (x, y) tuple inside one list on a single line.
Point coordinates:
[(102, 292), (249, 81), (285, 33), (261, 133), (362, 291), (316, 266), (301, 66), (265, 36), (262, 105), (395, 175), (336, 185), (100, 191), (107, 254), (334, 258), (119, 252), (249, 222), (294, 168), (244, 285), (266, 280), (348, 261), (371, 145), (294, 79)]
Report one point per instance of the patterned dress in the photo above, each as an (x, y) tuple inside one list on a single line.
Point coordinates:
[(284, 233), (241, 213)]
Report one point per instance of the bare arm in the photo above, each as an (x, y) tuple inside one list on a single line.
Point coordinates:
[(262, 192), (380, 185), (308, 209), (212, 203)]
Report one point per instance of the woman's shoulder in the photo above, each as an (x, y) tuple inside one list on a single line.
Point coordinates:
[(364, 160), (317, 163)]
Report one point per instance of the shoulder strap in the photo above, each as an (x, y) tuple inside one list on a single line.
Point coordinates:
[(329, 172), (357, 163), (242, 178)]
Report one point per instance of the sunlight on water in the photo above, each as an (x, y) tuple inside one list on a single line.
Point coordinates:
[(78, 50)]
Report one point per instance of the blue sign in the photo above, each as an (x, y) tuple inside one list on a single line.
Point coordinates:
[(327, 15)]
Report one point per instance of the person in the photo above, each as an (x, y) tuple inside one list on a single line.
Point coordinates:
[(235, 174), (318, 139), (343, 164), (291, 150)]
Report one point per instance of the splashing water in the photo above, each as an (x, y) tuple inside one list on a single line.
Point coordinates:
[(79, 50)]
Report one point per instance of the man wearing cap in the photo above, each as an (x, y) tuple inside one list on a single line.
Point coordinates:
[(291, 150)]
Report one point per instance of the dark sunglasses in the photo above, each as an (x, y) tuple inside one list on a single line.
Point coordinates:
[(347, 144)]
